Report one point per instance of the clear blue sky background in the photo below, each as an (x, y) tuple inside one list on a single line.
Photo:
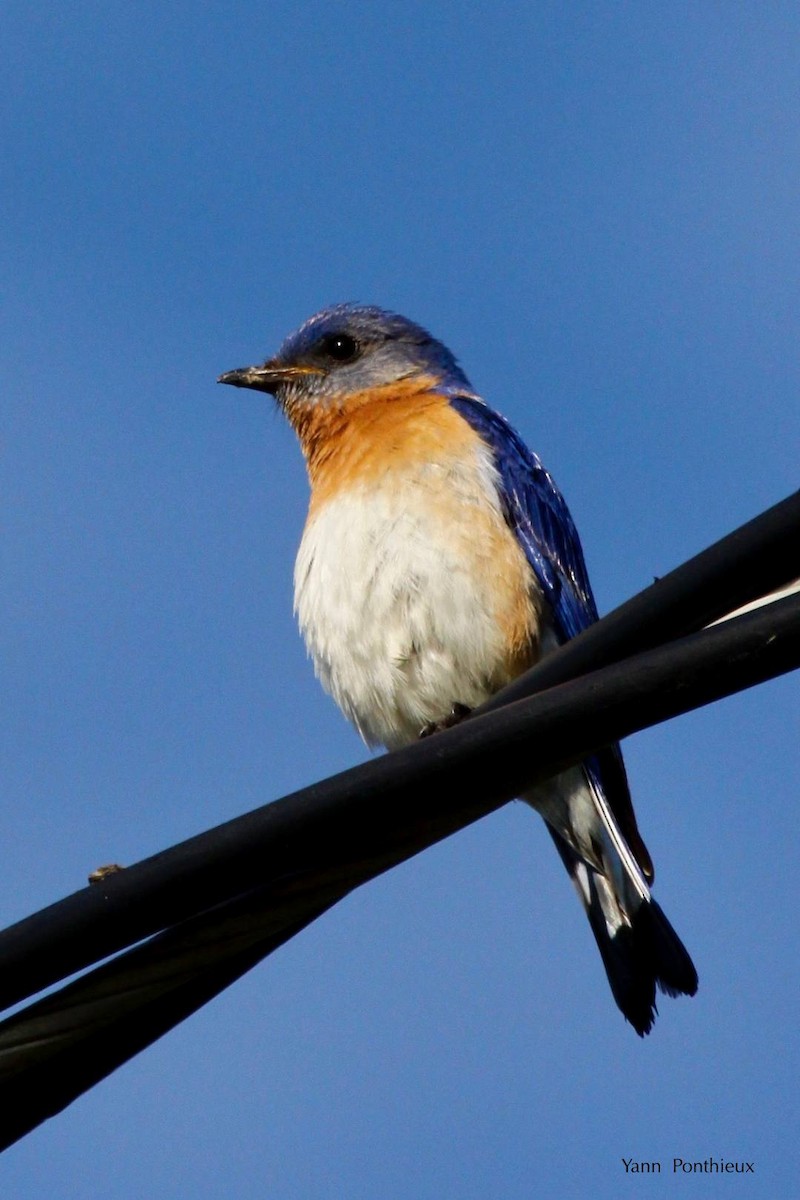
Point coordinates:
[(597, 206)]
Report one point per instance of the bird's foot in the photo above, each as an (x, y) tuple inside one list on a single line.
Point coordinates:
[(456, 715)]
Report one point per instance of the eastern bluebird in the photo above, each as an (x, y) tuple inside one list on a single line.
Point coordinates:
[(438, 562)]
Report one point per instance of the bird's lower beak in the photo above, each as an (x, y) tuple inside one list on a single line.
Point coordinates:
[(267, 378)]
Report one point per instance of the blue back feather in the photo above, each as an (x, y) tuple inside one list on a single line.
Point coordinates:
[(538, 515)]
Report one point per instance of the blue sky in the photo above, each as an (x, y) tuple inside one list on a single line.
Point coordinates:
[(596, 207)]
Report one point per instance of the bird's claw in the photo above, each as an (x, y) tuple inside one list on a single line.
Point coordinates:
[(456, 715)]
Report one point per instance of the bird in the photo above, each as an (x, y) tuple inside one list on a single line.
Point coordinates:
[(438, 562)]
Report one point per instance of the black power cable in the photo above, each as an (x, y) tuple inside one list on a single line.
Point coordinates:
[(229, 860), (227, 898)]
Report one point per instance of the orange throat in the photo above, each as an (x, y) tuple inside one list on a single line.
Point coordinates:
[(357, 439)]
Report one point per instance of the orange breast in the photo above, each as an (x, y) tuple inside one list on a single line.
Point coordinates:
[(407, 444), (357, 440)]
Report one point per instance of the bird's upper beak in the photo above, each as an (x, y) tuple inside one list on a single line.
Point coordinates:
[(266, 378)]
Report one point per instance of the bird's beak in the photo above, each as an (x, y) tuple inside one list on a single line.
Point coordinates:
[(266, 378)]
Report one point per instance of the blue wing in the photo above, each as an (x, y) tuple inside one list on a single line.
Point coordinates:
[(538, 514), (639, 947), (536, 511)]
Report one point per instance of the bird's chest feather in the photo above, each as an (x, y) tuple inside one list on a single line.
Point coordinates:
[(412, 593)]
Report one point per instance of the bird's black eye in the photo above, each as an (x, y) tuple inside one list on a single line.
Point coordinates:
[(341, 347)]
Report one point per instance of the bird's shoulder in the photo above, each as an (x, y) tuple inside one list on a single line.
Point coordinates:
[(539, 517)]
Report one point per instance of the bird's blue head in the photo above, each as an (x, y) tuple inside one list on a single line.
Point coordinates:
[(351, 348)]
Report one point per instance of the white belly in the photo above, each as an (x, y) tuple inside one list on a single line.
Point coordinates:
[(402, 610)]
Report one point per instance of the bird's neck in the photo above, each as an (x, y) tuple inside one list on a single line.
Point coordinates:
[(361, 437)]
